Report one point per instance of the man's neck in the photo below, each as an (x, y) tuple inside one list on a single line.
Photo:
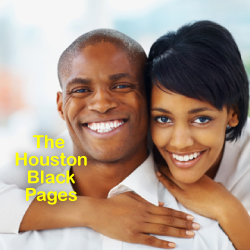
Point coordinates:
[(98, 178)]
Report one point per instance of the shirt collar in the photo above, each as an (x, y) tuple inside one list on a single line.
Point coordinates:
[(142, 181)]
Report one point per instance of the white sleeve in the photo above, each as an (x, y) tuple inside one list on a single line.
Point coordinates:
[(241, 188), (13, 207), (13, 184), (234, 171), (224, 242), (231, 246)]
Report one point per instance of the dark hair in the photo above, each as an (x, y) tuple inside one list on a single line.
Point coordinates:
[(202, 61), (133, 49)]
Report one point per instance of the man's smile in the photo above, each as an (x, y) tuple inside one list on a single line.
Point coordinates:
[(105, 126)]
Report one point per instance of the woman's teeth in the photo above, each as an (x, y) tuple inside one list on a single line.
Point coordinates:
[(104, 127), (186, 157)]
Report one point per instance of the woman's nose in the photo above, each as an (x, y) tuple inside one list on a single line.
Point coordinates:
[(181, 137)]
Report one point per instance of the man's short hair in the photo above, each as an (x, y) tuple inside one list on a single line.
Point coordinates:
[(133, 50), (202, 61)]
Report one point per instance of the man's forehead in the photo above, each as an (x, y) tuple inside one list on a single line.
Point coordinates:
[(130, 47), (99, 50), (104, 53), (103, 59)]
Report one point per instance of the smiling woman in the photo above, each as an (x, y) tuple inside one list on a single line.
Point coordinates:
[(189, 133), (200, 100)]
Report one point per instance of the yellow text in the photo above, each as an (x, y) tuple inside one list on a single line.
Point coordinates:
[(51, 197), (53, 160)]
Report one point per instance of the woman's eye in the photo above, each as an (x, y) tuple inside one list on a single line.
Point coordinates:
[(163, 119), (202, 120)]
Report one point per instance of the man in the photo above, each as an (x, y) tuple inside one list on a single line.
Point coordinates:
[(104, 105)]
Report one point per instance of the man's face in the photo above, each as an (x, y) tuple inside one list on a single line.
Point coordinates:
[(104, 104)]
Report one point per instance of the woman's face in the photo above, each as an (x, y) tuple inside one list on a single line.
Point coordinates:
[(189, 133)]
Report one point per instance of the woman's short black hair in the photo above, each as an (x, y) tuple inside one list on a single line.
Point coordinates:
[(202, 61)]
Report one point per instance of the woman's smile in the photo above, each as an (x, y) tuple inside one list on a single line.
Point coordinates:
[(189, 133), (186, 160)]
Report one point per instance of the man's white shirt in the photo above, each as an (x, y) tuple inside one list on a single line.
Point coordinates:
[(143, 182)]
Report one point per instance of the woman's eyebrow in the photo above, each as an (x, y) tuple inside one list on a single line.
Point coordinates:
[(161, 110), (193, 111)]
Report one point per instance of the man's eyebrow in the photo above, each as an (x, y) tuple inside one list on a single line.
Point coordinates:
[(193, 111), (79, 80), (116, 77)]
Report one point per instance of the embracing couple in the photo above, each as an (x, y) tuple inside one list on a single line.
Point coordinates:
[(193, 90)]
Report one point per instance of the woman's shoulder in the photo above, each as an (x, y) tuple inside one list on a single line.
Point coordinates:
[(246, 131), (243, 141), (240, 178), (235, 163)]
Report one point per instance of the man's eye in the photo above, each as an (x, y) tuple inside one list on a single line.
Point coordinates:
[(163, 119), (122, 86), (202, 120), (80, 91)]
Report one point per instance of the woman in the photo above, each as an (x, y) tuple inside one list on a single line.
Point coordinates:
[(228, 103), (199, 99)]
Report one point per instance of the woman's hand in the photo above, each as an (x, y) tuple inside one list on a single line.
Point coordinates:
[(128, 217), (211, 199), (205, 197)]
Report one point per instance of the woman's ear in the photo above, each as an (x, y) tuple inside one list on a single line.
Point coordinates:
[(233, 116), (59, 101)]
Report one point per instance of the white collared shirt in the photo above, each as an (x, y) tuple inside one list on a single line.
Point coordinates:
[(143, 182)]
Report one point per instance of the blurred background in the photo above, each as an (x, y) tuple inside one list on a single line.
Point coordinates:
[(33, 34)]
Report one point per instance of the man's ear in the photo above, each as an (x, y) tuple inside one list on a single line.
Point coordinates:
[(233, 117), (59, 101)]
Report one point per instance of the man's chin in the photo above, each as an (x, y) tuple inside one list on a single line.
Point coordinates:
[(105, 157)]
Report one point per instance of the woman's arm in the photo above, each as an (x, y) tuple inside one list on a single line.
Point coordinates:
[(211, 199)]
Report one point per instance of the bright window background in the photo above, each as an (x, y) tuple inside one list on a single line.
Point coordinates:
[(33, 34)]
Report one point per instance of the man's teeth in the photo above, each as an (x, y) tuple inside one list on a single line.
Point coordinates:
[(186, 157), (103, 127)]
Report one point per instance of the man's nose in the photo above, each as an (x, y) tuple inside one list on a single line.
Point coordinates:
[(102, 101), (181, 137)]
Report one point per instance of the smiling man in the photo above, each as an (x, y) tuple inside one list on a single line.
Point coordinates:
[(103, 102)]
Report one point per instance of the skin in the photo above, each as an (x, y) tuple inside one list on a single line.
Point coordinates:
[(104, 86), (176, 128)]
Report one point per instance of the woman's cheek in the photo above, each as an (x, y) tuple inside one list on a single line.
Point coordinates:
[(159, 136)]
